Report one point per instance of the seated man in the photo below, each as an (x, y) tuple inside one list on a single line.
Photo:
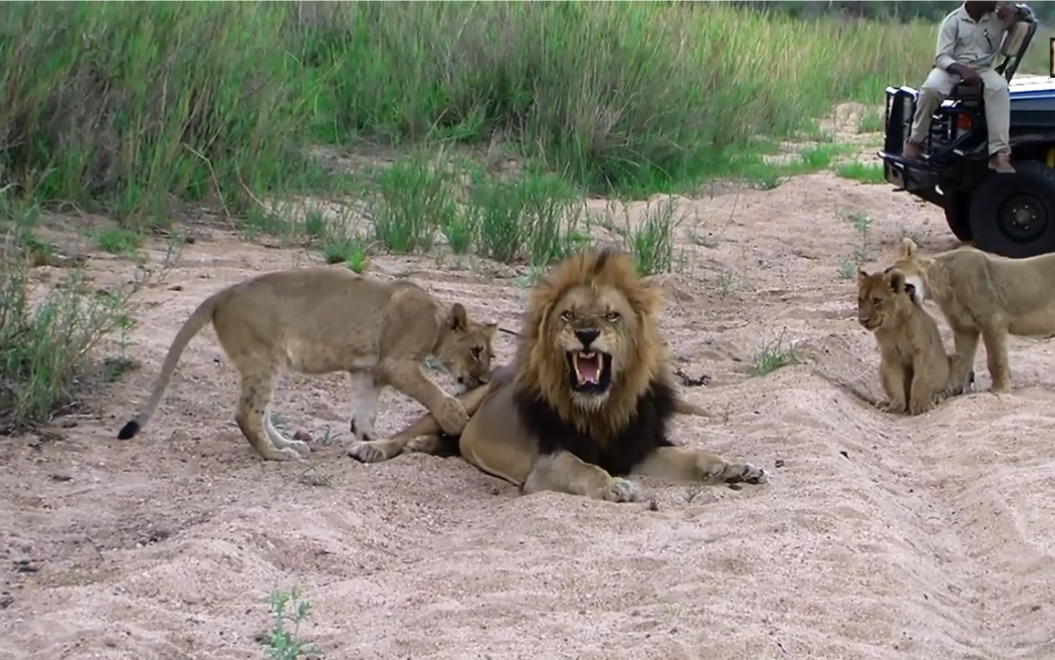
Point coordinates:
[(968, 43)]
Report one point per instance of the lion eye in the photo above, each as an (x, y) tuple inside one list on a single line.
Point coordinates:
[(612, 316), (877, 301), (475, 352), (567, 316)]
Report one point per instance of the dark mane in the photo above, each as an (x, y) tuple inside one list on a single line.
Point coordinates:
[(617, 455)]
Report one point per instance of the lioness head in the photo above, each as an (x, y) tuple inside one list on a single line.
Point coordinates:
[(466, 348), (912, 265), (882, 295), (590, 341)]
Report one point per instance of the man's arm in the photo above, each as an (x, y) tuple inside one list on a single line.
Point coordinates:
[(946, 44), (1010, 14)]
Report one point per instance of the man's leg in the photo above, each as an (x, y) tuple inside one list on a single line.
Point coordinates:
[(935, 89), (998, 119)]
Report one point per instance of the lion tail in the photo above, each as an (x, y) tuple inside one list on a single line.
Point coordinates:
[(201, 317)]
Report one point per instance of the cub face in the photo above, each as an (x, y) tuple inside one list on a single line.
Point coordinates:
[(467, 348), (882, 295)]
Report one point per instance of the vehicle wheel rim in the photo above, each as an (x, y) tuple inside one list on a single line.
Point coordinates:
[(1022, 218)]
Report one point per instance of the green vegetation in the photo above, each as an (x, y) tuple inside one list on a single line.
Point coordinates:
[(863, 172), (849, 265), (282, 640), (135, 110)]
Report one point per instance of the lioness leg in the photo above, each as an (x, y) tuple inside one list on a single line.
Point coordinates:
[(995, 339), (698, 466), (421, 436), (257, 385), (966, 342), (365, 394), (564, 472)]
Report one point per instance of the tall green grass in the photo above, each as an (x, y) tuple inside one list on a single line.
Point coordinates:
[(126, 106)]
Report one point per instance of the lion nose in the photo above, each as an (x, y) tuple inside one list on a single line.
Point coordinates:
[(587, 336)]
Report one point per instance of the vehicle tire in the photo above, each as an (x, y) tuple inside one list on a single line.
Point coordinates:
[(957, 214), (1014, 214)]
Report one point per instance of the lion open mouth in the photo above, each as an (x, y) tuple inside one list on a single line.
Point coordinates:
[(592, 371)]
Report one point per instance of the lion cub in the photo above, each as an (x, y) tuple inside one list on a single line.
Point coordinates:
[(321, 320), (985, 296), (914, 370)]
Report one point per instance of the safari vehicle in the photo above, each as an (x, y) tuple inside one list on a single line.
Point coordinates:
[(1007, 214)]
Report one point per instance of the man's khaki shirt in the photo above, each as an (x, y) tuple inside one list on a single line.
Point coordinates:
[(964, 41)]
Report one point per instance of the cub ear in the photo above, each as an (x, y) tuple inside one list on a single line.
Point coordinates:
[(456, 318), (897, 281), (908, 248), (861, 275)]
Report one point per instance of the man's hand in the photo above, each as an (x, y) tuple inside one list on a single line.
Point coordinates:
[(969, 75), (1004, 12)]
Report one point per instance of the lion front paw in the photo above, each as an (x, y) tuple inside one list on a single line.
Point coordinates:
[(452, 417), (619, 490), (744, 473), (426, 444), (920, 407), (367, 452), (894, 407)]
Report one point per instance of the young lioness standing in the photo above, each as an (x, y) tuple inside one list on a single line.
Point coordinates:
[(985, 295), (914, 370), (322, 320)]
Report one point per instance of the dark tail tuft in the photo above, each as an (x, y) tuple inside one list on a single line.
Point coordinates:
[(128, 430)]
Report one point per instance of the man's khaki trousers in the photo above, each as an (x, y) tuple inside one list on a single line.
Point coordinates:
[(937, 88)]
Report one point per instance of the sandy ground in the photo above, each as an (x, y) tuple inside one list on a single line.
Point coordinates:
[(878, 536)]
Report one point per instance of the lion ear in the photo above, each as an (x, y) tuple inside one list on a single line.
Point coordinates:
[(861, 275), (908, 248), (456, 318)]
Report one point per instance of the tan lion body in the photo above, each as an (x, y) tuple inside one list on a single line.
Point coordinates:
[(985, 296), (323, 320), (588, 398), (915, 372)]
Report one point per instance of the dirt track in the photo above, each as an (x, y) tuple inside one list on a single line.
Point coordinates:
[(878, 537)]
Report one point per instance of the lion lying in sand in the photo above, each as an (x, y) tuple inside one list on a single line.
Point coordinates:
[(589, 397)]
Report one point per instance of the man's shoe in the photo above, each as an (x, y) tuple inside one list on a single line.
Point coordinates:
[(911, 150), (1001, 162)]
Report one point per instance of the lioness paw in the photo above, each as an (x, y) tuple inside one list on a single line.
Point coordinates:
[(452, 417), (426, 444), (619, 490), (894, 407), (299, 446), (920, 407), (745, 473), (367, 452)]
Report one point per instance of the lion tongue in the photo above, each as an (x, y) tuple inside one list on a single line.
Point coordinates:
[(588, 367)]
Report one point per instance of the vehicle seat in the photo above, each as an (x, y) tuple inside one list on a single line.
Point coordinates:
[(1012, 48)]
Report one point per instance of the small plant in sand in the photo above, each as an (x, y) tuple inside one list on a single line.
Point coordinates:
[(849, 265), (117, 240), (773, 356), (288, 611), (415, 200), (727, 284), (653, 241)]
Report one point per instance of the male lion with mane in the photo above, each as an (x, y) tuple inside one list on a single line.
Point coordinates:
[(588, 398), (322, 320)]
